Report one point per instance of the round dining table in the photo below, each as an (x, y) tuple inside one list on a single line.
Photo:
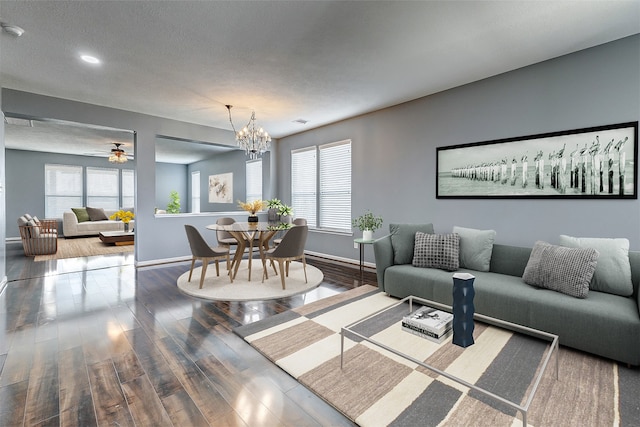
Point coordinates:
[(250, 234)]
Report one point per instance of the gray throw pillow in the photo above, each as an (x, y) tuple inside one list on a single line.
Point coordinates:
[(96, 214), (476, 247), (561, 269), (613, 272), (437, 251), (81, 214), (34, 228), (403, 238)]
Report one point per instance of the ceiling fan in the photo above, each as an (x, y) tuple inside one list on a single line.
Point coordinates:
[(118, 155)]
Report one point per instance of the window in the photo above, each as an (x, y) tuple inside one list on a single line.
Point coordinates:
[(254, 180), (128, 188), (321, 185), (335, 186), (62, 189), (195, 192), (103, 189), (303, 184)]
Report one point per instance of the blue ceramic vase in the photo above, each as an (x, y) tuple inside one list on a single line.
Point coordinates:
[(463, 309)]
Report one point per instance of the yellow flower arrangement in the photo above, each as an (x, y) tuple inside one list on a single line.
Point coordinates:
[(252, 207), (124, 216)]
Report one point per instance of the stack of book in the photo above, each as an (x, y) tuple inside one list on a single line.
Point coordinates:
[(429, 323)]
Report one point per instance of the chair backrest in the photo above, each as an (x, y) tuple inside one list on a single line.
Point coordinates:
[(199, 247), (293, 242), (300, 221), (221, 234)]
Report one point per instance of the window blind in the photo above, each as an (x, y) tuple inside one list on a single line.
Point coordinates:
[(254, 180), (335, 186), (303, 184), (128, 188), (63, 189), (195, 192), (103, 188)]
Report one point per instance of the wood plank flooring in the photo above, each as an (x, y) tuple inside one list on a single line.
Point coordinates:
[(95, 342)]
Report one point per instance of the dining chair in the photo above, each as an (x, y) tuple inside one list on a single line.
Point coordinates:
[(201, 250), (290, 249), (297, 221)]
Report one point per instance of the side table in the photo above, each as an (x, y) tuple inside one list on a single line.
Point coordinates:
[(361, 244)]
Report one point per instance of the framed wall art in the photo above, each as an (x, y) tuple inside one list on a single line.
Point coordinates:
[(221, 188), (597, 162)]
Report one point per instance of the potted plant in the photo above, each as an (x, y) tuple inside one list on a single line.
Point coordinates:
[(174, 202), (252, 208), (273, 205), (367, 223), (285, 212)]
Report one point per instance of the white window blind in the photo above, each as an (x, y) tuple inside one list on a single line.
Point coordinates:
[(335, 186), (303, 184), (103, 188), (195, 192), (254, 180), (128, 188), (63, 189)]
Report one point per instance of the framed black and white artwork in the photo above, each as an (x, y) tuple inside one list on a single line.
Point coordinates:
[(597, 162)]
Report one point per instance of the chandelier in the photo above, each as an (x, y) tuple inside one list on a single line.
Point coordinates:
[(118, 155), (252, 139)]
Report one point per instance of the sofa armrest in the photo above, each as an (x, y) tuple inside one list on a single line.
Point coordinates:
[(69, 224), (383, 252)]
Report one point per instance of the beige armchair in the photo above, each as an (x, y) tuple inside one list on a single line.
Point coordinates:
[(39, 236)]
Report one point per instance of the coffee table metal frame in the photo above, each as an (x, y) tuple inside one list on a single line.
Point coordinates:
[(523, 409)]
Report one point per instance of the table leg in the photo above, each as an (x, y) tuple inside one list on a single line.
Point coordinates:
[(361, 261), (250, 237), (237, 258)]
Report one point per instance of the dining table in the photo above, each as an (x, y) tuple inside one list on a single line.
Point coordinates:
[(250, 234)]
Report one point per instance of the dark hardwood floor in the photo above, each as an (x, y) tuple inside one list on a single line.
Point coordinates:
[(95, 341)]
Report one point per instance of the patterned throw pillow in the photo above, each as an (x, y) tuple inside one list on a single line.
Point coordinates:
[(561, 269), (436, 251)]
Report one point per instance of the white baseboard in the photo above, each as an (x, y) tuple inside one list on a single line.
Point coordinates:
[(159, 262), (355, 262)]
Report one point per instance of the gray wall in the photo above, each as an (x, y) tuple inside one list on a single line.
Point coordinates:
[(394, 149), (157, 237), (3, 216), (25, 181), (171, 177), (232, 162)]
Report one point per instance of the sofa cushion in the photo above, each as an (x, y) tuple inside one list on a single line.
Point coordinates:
[(437, 251), (562, 269), (403, 238), (81, 214), (613, 272), (475, 248), (96, 214)]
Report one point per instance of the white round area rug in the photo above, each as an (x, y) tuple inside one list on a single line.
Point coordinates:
[(219, 288)]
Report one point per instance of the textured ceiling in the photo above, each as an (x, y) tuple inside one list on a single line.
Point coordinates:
[(320, 61)]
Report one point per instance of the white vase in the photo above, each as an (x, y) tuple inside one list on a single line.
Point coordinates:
[(367, 235)]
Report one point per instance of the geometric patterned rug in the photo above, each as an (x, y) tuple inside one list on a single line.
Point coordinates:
[(377, 388)]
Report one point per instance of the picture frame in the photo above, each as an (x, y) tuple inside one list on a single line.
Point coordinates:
[(221, 188), (556, 165)]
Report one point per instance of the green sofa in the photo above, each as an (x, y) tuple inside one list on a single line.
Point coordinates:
[(604, 324)]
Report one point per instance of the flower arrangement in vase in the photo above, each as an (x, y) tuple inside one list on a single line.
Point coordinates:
[(367, 223), (273, 205), (252, 207), (124, 216)]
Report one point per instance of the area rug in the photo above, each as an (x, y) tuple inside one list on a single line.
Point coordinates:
[(377, 388), (84, 246), (219, 288)]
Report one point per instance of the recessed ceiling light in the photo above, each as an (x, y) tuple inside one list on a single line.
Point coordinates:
[(301, 121), (90, 59)]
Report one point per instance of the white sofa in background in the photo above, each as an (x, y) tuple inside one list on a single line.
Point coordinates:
[(71, 227)]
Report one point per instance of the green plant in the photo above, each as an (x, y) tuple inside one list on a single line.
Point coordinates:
[(284, 210), (274, 203), (367, 222), (174, 202)]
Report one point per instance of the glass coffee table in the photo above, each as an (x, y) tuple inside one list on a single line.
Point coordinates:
[(528, 362)]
